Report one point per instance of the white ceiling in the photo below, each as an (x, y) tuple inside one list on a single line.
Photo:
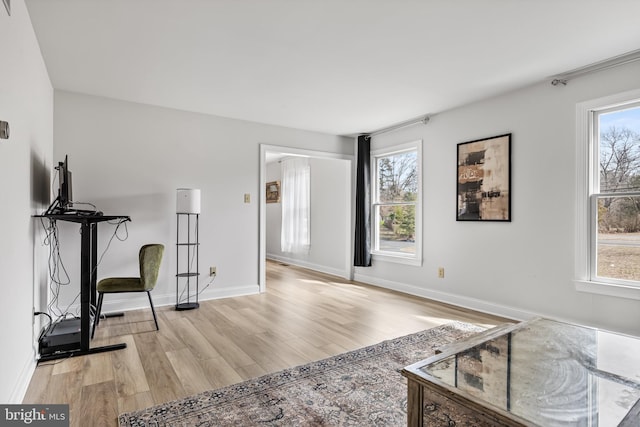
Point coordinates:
[(335, 66)]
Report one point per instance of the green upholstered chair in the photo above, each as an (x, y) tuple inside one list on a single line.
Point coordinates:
[(150, 257)]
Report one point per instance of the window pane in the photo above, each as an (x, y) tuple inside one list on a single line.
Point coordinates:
[(619, 155), (397, 177), (396, 228), (618, 240)]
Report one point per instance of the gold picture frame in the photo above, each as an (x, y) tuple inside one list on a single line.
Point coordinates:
[(273, 192)]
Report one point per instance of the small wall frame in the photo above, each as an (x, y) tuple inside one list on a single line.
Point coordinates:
[(273, 192), (484, 179)]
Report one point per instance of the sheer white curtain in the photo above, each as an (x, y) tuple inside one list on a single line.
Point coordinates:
[(295, 187)]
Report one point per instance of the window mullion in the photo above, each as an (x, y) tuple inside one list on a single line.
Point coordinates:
[(618, 194)]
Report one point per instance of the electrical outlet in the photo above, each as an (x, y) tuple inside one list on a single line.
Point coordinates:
[(212, 271), (441, 272)]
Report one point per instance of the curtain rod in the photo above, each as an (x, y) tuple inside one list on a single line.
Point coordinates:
[(422, 119), (626, 58)]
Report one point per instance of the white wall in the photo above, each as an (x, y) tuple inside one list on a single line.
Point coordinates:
[(330, 220), (525, 267), (129, 159), (26, 102)]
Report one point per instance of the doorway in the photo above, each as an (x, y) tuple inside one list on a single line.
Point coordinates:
[(331, 212)]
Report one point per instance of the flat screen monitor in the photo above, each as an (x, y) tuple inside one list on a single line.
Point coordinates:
[(64, 198), (65, 187)]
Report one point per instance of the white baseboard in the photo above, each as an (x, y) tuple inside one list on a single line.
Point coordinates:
[(127, 301), (229, 292), (457, 300), (460, 301), (310, 266), (20, 389)]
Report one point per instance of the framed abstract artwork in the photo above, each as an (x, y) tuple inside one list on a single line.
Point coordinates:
[(484, 179)]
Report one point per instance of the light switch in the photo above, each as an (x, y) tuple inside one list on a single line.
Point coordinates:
[(247, 198)]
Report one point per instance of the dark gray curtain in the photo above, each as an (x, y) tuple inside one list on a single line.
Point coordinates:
[(362, 255)]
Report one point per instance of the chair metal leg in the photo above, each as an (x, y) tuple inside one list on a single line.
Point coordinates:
[(155, 319), (96, 319)]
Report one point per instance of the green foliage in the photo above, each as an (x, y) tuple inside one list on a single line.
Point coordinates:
[(399, 221), (397, 183), (406, 221)]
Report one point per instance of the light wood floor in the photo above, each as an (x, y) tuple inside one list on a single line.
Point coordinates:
[(303, 316)]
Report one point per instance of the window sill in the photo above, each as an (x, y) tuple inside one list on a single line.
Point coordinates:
[(396, 259), (620, 291)]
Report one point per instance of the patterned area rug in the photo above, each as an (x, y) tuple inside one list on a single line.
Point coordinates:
[(361, 387)]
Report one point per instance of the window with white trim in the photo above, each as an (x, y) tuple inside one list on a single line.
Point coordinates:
[(614, 194), (396, 203)]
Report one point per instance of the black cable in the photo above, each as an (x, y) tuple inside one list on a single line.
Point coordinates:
[(57, 270), (44, 331), (207, 285), (55, 266), (69, 356), (55, 260), (95, 208), (114, 235), (181, 300)]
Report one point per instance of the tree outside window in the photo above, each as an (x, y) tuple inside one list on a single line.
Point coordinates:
[(395, 202)]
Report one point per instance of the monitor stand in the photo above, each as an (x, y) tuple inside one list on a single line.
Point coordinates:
[(56, 209)]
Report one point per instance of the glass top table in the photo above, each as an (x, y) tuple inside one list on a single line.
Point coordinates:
[(539, 372)]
